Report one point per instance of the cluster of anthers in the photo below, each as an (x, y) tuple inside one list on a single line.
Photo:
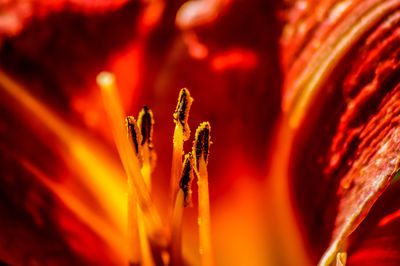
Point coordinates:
[(152, 242)]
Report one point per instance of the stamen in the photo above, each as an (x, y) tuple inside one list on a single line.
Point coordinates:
[(106, 81), (201, 149), (181, 134), (181, 114), (187, 178), (138, 157), (136, 183), (145, 128)]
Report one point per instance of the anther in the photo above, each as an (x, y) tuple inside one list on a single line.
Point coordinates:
[(146, 122), (134, 134), (202, 143), (181, 114), (187, 177)]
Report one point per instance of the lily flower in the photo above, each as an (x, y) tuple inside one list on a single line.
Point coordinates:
[(86, 172)]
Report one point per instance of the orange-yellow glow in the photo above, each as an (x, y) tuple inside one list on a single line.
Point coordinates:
[(248, 228), (289, 241), (110, 234), (98, 173)]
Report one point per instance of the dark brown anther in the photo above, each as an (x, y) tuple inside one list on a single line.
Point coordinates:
[(202, 143), (186, 180), (146, 122), (133, 133), (181, 114)]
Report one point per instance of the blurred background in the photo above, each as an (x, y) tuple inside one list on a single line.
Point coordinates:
[(62, 185)]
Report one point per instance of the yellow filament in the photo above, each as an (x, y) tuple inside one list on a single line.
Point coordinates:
[(176, 238), (147, 166), (206, 249), (176, 159), (176, 207), (135, 255), (147, 258)]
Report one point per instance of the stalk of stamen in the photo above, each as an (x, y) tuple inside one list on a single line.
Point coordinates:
[(183, 199), (145, 124), (136, 139), (106, 83), (147, 258), (201, 149), (130, 161), (181, 134)]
